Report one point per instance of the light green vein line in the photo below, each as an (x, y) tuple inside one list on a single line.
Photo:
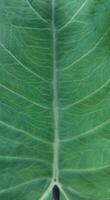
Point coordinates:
[(93, 130), (30, 28), (87, 53), (75, 15), (19, 62), (63, 192), (23, 97), (55, 100), (35, 11), (22, 184), (46, 193), (10, 140), (24, 132), (88, 96), (23, 159), (78, 194), (86, 170)]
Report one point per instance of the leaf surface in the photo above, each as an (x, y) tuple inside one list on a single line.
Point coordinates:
[(54, 99)]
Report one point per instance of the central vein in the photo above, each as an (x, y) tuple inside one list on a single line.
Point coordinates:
[(55, 99)]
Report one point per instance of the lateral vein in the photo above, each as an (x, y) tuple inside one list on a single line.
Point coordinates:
[(73, 16), (21, 185), (35, 11), (23, 131)]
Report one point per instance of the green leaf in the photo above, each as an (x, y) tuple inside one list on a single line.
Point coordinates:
[(54, 99)]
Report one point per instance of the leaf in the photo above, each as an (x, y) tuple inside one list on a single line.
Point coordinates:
[(54, 99)]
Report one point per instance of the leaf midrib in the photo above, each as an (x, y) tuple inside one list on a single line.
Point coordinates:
[(55, 99)]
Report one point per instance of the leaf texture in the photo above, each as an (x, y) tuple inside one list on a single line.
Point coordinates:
[(54, 99)]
